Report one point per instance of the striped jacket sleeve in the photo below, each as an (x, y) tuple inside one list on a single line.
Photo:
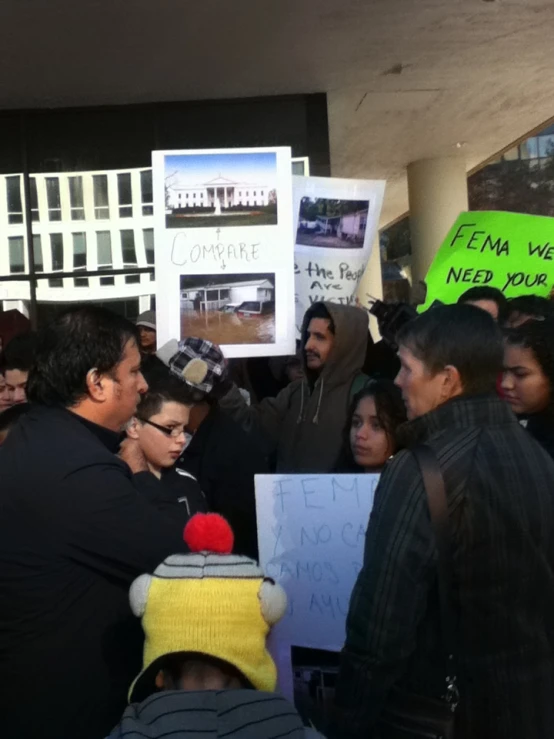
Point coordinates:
[(389, 598)]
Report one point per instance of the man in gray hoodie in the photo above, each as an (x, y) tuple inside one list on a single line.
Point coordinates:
[(303, 425)]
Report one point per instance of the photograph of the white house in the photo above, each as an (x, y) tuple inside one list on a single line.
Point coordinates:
[(339, 224), (220, 190), (229, 309)]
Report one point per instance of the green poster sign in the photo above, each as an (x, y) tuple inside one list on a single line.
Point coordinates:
[(510, 251)]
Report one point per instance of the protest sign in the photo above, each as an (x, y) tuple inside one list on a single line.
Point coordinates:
[(224, 248), (335, 222), (311, 533), (510, 251)]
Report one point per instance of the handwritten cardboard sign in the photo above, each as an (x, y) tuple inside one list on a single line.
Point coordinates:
[(510, 251), (335, 222), (311, 533), (224, 252)]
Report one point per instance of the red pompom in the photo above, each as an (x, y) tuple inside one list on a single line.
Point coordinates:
[(209, 532)]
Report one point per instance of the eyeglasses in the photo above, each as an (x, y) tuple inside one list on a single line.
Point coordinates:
[(173, 433)]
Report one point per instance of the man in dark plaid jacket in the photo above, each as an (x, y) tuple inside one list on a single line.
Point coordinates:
[(500, 490)]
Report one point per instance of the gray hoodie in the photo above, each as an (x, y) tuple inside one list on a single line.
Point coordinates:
[(233, 714), (304, 424)]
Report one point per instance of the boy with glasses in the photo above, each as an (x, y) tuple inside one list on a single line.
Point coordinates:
[(160, 428)]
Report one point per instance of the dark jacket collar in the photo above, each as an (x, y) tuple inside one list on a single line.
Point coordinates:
[(460, 413), (110, 439)]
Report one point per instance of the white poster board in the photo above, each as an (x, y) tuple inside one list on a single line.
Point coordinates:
[(335, 226), (311, 534), (224, 248)]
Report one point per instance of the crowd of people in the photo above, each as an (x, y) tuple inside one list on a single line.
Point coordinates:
[(127, 491)]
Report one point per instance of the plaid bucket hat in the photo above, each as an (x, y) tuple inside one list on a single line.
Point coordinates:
[(197, 362)]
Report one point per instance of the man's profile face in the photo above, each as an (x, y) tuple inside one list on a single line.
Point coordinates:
[(128, 384), (16, 385), (319, 343), (422, 391)]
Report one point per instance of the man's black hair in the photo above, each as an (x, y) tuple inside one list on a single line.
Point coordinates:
[(319, 310), (79, 339), (9, 417), (463, 336), (20, 352), (484, 292), (164, 390), (531, 305)]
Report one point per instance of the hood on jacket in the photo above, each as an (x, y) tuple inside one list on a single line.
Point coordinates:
[(207, 714), (351, 336)]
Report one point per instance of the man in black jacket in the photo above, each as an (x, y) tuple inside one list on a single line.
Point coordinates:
[(499, 485), (77, 524)]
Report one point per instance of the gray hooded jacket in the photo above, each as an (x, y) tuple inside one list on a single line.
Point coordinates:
[(233, 714), (305, 426)]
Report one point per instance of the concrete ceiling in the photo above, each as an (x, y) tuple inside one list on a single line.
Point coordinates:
[(406, 79)]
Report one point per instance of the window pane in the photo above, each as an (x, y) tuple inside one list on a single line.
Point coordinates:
[(53, 198), (76, 199), (15, 208), (100, 189), (132, 279), (80, 258), (546, 146), (124, 194), (79, 251), (34, 198), (128, 247), (148, 234), (124, 189), (146, 191), (37, 252), (104, 245), (56, 243), (17, 258)]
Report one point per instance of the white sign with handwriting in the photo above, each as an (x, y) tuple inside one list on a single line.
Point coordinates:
[(335, 222), (224, 249), (311, 533)]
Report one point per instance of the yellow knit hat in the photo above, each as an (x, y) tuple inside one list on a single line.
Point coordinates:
[(209, 602)]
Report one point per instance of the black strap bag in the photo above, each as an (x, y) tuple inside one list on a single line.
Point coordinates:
[(407, 715)]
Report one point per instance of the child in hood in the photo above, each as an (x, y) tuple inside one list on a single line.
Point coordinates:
[(207, 672)]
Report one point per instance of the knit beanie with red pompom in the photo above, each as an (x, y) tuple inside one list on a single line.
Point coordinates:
[(210, 602)]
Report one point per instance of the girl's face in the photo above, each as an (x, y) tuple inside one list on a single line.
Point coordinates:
[(371, 445), (526, 387)]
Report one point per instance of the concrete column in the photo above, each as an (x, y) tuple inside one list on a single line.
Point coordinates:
[(437, 190), (372, 284)]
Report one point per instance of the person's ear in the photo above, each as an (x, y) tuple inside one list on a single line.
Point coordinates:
[(160, 680), (132, 428), (96, 385), (451, 383)]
